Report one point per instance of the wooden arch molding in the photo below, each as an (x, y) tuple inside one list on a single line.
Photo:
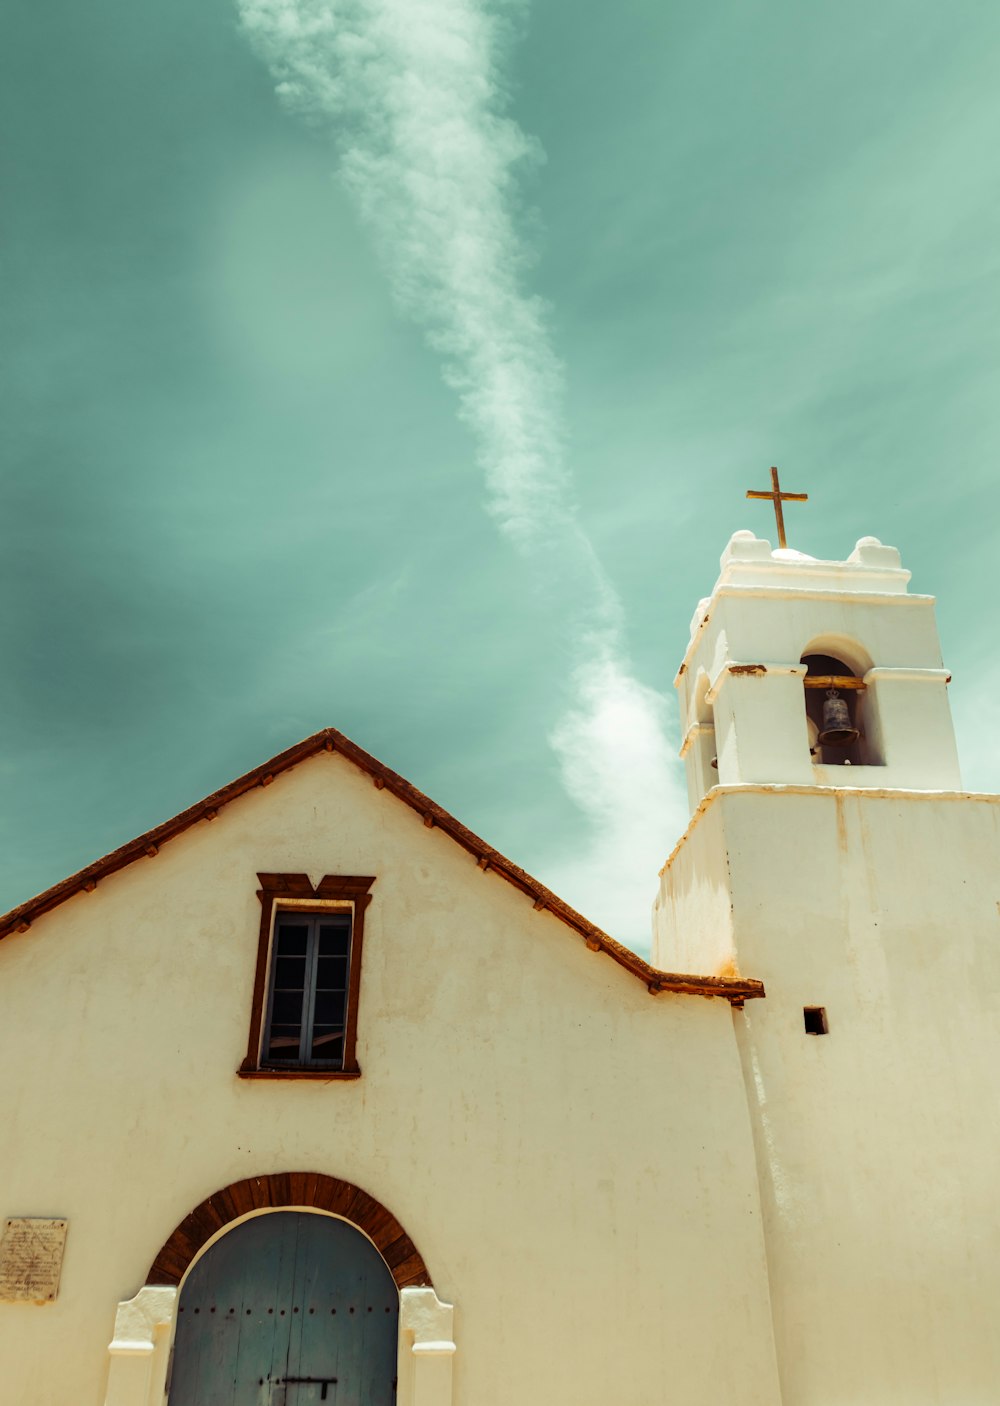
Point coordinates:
[(285, 1190)]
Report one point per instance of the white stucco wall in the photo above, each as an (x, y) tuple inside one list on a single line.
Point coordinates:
[(693, 908), (572, 1156), (878, 1143)]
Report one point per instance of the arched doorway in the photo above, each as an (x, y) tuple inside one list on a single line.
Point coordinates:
[(286, 1309)]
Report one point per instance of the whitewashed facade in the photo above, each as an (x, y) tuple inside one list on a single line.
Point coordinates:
[(623, 1186)]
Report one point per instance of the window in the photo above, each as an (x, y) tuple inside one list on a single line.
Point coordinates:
[(307, 987), (307, 1006)]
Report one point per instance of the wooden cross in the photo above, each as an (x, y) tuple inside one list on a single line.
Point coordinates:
[(777, 498)]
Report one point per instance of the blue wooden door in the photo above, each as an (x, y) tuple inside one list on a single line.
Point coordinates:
[(288, 1309)]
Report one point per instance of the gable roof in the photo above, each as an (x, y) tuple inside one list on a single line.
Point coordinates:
[(734, 989)]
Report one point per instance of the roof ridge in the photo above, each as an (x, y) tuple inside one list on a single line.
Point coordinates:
[(19, 919)]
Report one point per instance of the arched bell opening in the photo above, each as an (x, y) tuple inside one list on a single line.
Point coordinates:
[(834, 695), (704, 717), (701, 707), (699, 746)]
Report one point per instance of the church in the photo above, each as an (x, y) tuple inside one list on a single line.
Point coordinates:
[(312, 1095)]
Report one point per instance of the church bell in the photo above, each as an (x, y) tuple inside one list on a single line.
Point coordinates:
[(838, 731)]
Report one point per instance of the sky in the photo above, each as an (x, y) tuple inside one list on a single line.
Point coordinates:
[(402, 367)]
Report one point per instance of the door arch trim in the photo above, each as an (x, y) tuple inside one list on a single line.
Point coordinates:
[(290, 1191)]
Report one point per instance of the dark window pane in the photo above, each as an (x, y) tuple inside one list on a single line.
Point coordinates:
[(329, 1008), (289, 973), (292, 939), (283, 1042), (309, 978), (333, 939), (331, 973), (328, 1044), (286, 1008)]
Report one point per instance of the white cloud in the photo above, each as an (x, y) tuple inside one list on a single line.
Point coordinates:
[(412, 93), (620, 770)]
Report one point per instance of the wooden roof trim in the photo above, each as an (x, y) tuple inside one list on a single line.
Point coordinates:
[(734, 989)]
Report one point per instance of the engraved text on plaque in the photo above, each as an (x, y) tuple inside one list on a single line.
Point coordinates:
[(31, 1253)]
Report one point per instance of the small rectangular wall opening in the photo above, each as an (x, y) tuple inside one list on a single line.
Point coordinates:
[(815, 1020)]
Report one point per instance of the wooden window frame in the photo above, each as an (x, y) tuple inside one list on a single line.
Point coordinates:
[(295, 892)]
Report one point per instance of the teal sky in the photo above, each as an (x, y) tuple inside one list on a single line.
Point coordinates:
[(238, 502)]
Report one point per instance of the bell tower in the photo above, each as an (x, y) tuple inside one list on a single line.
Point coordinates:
[(832, 853), (815, 673)]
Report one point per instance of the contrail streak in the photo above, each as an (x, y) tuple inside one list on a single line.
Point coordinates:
[(412, 94)]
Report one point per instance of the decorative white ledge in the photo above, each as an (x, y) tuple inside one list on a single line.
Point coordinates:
[(139, 1350), (694, 732), (426, 1349)]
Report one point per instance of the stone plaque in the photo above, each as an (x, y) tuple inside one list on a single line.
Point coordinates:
[(31, 1255)]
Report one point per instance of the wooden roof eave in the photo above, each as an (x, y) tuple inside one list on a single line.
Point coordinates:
[(19, 919)]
